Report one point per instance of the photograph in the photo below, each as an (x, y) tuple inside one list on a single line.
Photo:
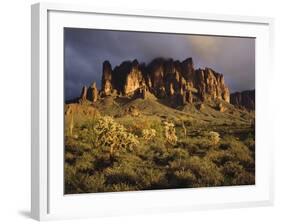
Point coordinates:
[(157, 111)]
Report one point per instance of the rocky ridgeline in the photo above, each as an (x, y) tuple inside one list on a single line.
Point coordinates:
[(244, 99), (165, 78)]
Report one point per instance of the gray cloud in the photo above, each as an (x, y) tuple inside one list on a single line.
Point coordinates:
[(85, 51)]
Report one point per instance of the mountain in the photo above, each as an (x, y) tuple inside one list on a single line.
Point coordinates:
[(163, 88), (165, 78), (244, 99), (163, 125)]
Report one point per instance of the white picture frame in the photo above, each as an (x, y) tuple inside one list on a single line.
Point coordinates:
[(47, 198)]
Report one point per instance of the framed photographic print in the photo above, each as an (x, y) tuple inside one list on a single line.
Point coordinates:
[(148, 111)]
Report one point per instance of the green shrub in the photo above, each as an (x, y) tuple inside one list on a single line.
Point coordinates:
[(224, 146), (237, 175), (250, 143), (206, 172), (183, 178), (239, 150), (152, 178), (198, 150), (119, 175), (244, 178), (96, 183), (232, 168), (75, 181), (220, 157), (199, 145), (120, 187), (163, 156)]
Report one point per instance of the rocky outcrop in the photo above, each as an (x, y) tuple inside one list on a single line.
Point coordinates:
[(127, 78), (83, 95), (133, 79), (244, 99), (221, 107), (143, 91), (189, 96), (93, 93), (165, 78), (211, 85), (156, 75), (107, 78), (188, 69), (172, 76), (201, 106)]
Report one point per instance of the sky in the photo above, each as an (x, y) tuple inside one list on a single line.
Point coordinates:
[(86, 49)]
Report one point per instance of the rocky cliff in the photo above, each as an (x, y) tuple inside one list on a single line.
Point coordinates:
[(165, 78), (244, 99)]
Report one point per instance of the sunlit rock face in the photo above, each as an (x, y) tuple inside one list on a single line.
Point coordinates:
[(165, 78), (211, 85), (133, 79), (107, 78)]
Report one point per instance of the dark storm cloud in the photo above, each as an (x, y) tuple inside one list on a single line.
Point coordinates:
[(85, 51)]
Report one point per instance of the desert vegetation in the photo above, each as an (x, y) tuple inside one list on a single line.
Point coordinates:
[(105, 153), (164, 125)]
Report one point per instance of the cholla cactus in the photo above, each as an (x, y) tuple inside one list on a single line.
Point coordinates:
[(214, 137), (170, 133), (113, 136), (148, 134)]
